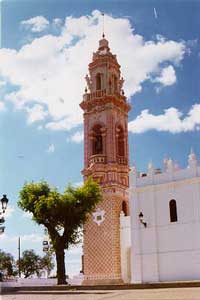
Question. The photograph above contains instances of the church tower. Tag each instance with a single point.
(105, 160)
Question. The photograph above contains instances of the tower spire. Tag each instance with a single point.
(103, 34)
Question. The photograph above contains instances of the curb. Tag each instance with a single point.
(62, 288)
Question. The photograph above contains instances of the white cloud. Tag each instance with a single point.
(2, 83)
(51, 148)
(36, 113)
(40, 127)
(77, 137)
(2, 106)
(9, 211)
(33, 237)
(167, 76)
(65, 123)
(57, 22)
(48, 69)
(9, 243)
(27, 214)
(28, 241)
(36, 24)
(172, 120)
(78, 184)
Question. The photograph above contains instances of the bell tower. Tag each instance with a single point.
(105, 160)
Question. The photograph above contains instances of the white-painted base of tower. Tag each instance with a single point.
(125, 247)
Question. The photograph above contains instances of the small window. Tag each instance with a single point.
(173, 211)
(98, 145)
(124, 208)
(98, 81)
(120, 141)
(97, 141)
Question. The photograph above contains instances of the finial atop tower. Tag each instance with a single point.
(150, 168)
(103, 45)
(103, 35)
(192, 159)
(170, 165)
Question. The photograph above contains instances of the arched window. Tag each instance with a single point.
(120, 141)
(97, 147)
(173, 211)
(98, 81)
(124, 208)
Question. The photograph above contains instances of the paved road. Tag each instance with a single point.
(150, 294)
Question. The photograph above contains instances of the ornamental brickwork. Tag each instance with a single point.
(106, 160)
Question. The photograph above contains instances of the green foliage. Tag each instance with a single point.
(7, 263)
(56, 211)
(46, 263)
(31, 263)
(62, 214)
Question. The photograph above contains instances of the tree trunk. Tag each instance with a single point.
(60, 260)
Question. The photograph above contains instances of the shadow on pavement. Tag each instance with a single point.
(53, 293)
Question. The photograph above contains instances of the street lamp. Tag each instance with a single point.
(141, 218)
(2, 220)
(4, 203)
(45, 242)
(45, 246)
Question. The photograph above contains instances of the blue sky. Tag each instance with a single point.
(45, 49)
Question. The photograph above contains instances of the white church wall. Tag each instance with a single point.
(125, 245)
(165, 250)
(179, 265)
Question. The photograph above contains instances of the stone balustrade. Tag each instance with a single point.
(122, 160)
(97, 159)
(100, 94)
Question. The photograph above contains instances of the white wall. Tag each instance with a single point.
(165, 251)
(125, 245)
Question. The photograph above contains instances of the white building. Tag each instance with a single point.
(165, 223)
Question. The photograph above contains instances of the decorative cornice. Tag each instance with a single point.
(105, 168)
(103, 102)
(161, 186)
(104, 59)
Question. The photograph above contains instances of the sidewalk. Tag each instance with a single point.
(129, 294)
(6, 288)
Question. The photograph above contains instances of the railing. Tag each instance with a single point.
(122, 160)
(100, 94)
(97, 159)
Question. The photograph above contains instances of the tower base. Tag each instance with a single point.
(99, 280)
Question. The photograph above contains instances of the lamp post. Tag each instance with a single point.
(4, 203)
(19, 257)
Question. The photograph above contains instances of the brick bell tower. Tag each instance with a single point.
(105, 160)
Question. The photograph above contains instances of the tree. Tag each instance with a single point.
(29, 263)
(7, 263)
(62, 214)
(46, 263)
